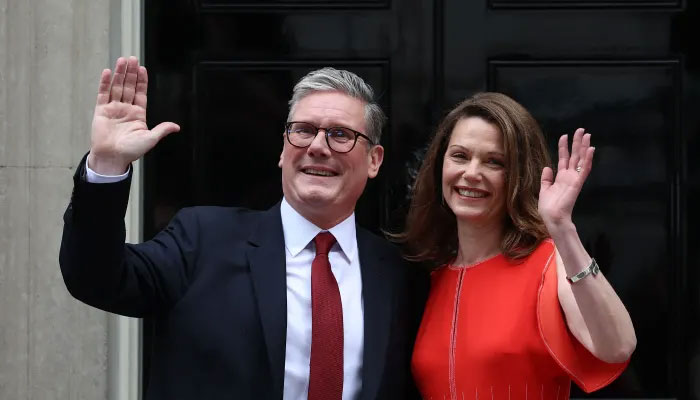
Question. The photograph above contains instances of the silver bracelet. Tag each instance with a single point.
(592, 269)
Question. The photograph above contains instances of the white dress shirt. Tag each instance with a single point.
(345, 265)
(93, 177)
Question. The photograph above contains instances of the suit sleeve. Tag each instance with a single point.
(99, 269)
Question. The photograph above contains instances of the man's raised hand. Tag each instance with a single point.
(119, 131)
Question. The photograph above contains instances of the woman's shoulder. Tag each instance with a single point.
(544, 251)
(538, 260)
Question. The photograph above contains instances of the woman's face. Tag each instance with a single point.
(473, 172)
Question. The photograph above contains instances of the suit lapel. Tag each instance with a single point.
(377, 295)
(268, 271)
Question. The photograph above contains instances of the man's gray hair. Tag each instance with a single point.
(331, 79)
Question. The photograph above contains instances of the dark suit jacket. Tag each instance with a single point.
(214, 283)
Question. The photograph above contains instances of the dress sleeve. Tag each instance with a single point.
(589, 372)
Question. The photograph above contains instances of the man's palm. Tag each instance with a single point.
(119, 131)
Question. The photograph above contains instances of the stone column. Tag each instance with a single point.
(51, 56)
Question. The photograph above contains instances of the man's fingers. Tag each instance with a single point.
(103, 88)
(118, 80)
(164, 129)
(130, 80)
(140, 97)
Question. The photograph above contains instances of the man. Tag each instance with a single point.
(295, 302)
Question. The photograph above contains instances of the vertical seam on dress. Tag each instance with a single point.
(453, 339)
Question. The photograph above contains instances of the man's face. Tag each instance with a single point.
(319, 183)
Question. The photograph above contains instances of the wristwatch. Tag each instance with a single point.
(592, 269)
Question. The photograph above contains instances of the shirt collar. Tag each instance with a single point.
(299, 231)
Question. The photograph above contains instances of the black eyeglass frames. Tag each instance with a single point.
(339, 139)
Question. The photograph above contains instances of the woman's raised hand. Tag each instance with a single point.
(558, 194)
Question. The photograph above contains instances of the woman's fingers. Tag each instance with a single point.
(563, 153)
(546, 179)
(576, 148)
(585, 144)
(586, 165)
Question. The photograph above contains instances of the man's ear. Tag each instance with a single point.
(279, 164)
(376, 156)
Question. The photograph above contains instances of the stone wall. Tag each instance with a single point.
(51, 56)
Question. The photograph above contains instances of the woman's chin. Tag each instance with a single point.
(482, 219)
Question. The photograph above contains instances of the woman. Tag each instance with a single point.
(503, 321)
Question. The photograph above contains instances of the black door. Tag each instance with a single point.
(627, 70)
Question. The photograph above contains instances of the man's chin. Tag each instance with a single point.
(319, 201)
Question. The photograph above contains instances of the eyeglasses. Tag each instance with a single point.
(338, 138)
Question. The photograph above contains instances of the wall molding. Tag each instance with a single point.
(123, 333)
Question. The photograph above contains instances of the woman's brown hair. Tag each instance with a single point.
(431, 228)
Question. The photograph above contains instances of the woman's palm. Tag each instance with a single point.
(558, 194)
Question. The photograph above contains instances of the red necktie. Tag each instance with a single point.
(326, 366)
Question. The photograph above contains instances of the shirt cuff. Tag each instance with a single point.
(93, 177)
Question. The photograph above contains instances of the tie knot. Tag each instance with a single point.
(324, 241)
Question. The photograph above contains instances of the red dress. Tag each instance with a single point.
(495, 330)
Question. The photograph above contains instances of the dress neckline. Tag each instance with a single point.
(474, 264)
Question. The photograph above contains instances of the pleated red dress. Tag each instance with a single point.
(495, 330)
